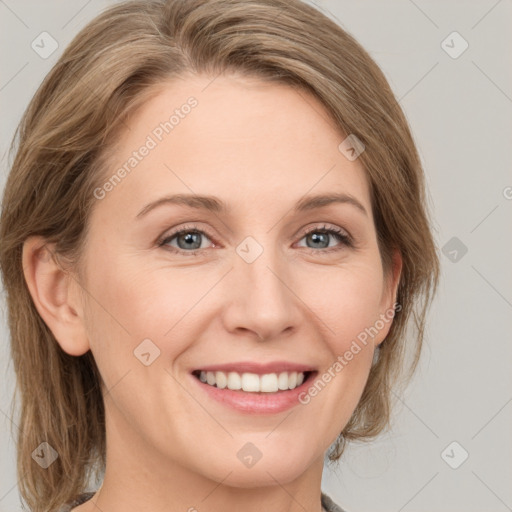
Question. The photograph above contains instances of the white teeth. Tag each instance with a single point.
(221, 380)
(234, 381)
(282, 382)
(250, 382)
(210, 378)
(253, 383)
(268, 382)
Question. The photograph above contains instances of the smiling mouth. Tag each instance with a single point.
(254, 383)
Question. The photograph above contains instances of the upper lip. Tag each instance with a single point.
(257, 368)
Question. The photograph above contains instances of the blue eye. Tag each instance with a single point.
(189, 237)
(189, 240)
(322, 235)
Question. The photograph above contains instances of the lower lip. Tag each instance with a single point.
(256, 403)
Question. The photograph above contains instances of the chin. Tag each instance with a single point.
(283, 466)
(264, 476)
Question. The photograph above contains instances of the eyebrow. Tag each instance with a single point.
(216, 205)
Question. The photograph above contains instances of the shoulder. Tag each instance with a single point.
(82, 498)
(329, 505)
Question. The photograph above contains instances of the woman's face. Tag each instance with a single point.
(259, 280)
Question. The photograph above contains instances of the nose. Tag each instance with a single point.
(259, 297)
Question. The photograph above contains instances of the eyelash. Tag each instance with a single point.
(340, 235)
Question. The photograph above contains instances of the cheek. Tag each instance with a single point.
(347, 300)
(348, 306)
(131, 303)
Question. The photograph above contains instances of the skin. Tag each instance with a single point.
(169, 446)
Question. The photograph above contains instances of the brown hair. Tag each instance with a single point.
(63, 140)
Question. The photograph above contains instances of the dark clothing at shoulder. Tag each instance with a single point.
(329, 505)
(78, 501)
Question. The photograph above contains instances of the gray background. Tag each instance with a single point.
(460, 113)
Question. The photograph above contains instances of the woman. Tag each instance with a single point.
(177, 331)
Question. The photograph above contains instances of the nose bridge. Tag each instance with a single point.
(263, 301)
(259, 265)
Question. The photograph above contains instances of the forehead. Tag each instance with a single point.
(236, 137)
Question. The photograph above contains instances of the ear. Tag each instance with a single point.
(389, 294)
(54, 292)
